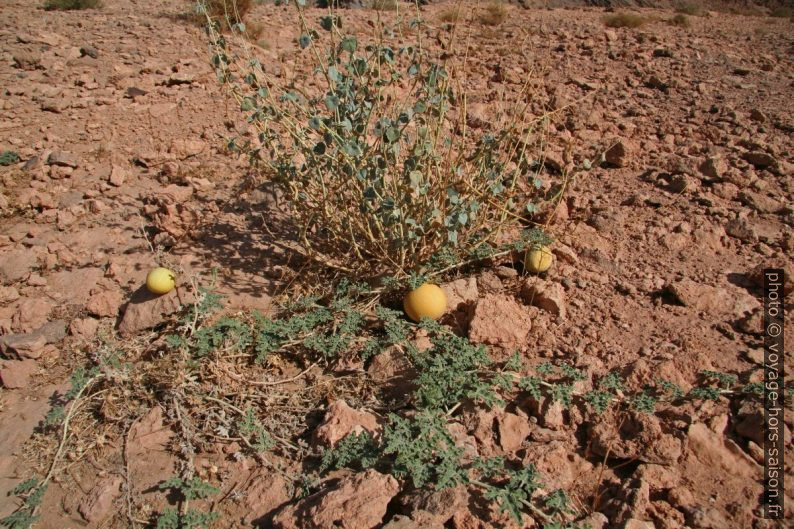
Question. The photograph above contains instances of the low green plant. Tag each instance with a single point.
(374, 155)
(185, 517)
(31, 491)
(68, 5)
(624, 20)
(9, 158)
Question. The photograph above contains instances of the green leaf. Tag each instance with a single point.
(304, 41)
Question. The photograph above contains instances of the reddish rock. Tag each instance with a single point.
(756, 275)
(641, 436)
(619, 154)
(460, 292)
(513, 430)
(711, 299)
(501, 321)
(31, 314)
(716, 452)
(84, 327)
(97, 505)
(32, 344)
(341, 420)
(547, 295)
(392, 372)
(267, 492)
(434, 507)
(16, 265)
(105, 304)
(148, 433)
(15, 374)
(356, 502)
(404, 522)
(146, 310)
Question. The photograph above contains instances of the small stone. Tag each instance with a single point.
(760, 159)
(146, 310)
(117, 176)
(742, 229)
(662, 52)
(133, 92)
(30, 345)
(267, 492)
(97, 505)
(180, 78)
(393, 373)
(547, 295)
(105, 304)
(341, 420)
(713, 168)
(356, 502)
(62, 159)
(460, 292)
(757, 115)
(618, 155)
(89, 51)
(84, 327)
(513, 430)
(501, 321)
(15, 374)
(434, 507)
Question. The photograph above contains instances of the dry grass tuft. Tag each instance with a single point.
(68, 5)
(680, 20)
(451, 15)
(493, 14)
(234, 11)
(624, 20)
(689, 8)
(383, 5)
(782, 12)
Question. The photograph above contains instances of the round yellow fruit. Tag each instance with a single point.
(426, 301)
(160, 281)
(539, 260)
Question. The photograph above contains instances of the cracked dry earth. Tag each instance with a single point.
(120, 126)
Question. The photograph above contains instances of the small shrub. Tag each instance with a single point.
(493, 15)
(383, 5)
(375, 159)
(680, 20)
(9, 158)
(232, 11)
(450, 15)
(689, 8)
(624, 20)
(68, 5)
(782, 12)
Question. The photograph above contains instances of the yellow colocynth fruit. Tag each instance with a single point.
(426, 301)
(160, 281)
(538, 260)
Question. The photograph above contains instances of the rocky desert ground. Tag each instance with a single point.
(120, 130)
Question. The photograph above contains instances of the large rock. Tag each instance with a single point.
(341, 420)
(501, 321)
(756, 275)
(356, 502)
(146, 310)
